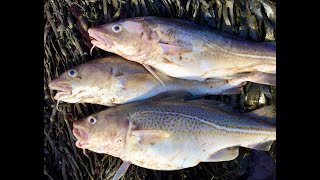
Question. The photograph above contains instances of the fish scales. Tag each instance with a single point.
(211, 117)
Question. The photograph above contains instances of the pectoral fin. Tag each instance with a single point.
(149, 137)
(122, 170)
(173, 49)
(153, 73)
(226, 154)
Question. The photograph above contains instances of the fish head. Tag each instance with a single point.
(102, 132)
(128, 38)
(79, 83)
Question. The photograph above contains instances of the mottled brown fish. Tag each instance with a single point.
(171, 132)
(113, 80)
(185, 50)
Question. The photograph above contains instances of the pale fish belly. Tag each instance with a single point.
(195, 66)
(177, 68)
(166, 155)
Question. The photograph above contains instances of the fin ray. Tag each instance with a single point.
(153, 73)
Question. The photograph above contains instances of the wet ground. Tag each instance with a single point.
(66, 44)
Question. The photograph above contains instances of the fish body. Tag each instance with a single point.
(183, 49)
(113, 80)
(170, 133)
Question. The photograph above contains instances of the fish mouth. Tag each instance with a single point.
(63, 89)
(99, 39)
(82, 137)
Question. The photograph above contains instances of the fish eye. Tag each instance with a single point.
(116, 28)
(92, 120)
(73, 73)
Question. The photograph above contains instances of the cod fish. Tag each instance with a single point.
(185, 50)
(113, 80)
(171, 132)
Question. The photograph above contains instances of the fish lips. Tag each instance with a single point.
(99, 39)
(82, 137)
(62, 88)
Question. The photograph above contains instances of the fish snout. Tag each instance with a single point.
(52, 84)
(61, 86)
(81, 133)
(59, 83)
(80, 124)
(99, 37)
(96, 29)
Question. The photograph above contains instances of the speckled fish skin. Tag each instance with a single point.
(172, 133)
(183, 49)
(113, 80)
